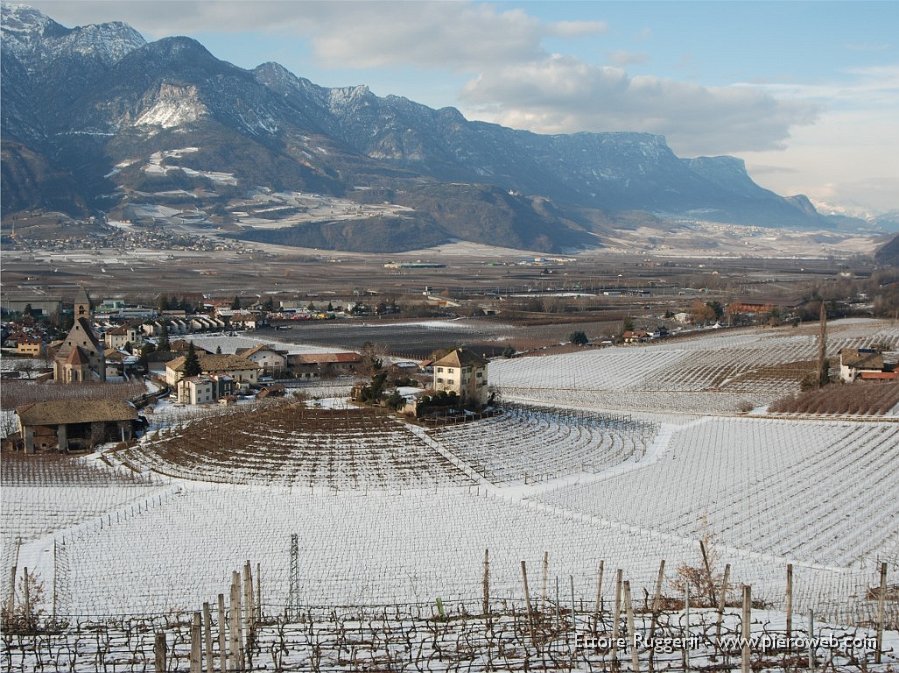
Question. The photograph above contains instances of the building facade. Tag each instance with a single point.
(464, 373)
(81, 356)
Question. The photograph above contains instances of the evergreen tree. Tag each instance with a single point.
(578, 338)
(235, 305)
(192, 362)
(163, 344)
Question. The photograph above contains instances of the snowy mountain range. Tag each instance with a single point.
(85, 109)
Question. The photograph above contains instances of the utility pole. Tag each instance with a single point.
(822, 347)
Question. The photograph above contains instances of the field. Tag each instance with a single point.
(871, 399)
(714, 374)
(621, 456)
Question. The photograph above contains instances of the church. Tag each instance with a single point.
(81, 358)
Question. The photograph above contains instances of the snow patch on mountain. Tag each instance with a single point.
(173, 106)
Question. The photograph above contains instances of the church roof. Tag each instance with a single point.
(77, 357)
(82, 297)
(85, 325)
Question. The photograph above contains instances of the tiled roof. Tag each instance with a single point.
(57, 412)
(461, 357)
(247, 352)
(861, 358)
(213, 363)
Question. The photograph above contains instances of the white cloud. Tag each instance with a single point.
(561, 94)
(442, 35)
(849, 156)
(622, 58)
(577, 28)
(432, 34)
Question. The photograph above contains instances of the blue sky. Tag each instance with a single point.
(807, 93)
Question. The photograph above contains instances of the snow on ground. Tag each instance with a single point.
(718, 373)
(420, 543)
(820, 494)
(230, 344)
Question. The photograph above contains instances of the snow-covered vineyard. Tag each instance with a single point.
(390, 513)
(709, 375)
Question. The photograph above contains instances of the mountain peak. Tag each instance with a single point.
(23, 19)
(179, 47)
(38, 41)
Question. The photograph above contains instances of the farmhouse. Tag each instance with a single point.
(238, 368)
(314, 365)
(74, 424)
(464, 373)
(271, 359)
(204, 389)
(81, 357)
(860, 363)
(633, 337)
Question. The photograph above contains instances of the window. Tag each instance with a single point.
(439, 380)
(480, 374)
(440, 370)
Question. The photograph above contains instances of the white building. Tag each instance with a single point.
(464, 373)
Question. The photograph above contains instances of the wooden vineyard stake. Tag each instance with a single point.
(746, 632)
(880, 605)
(558, 607)
(11, 601)
(573, 606)
(258, 594)
(685, 652)
(223, 647)
(527, 600)
(27, 592)
(657, 599)
(159, 647)
(710, 584)
(196, 645)
(722, 603)
(656, 608)
(234, 624)
(249, 613)
(486, 587)
(207, 637)
(543, 593)
(616, 620)
(789, 606)
(811, 640)
(631, 629)
(597, 610)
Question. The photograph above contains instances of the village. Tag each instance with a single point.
(162, 350)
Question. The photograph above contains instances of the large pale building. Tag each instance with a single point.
(81, 357)
(464, 373)
(241, 370)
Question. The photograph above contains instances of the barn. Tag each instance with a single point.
(67, 425)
